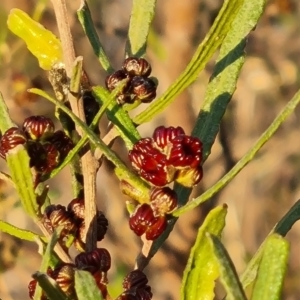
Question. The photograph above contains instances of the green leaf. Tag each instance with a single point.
(42, 43)
(85, 286)
(202, 269)
(228, 274)
(284, 114)
(226, 73)
(142, 14)
(282, 228)
(272, 268)
(223, 81)
(118, 117)
(5, 120)
(50, 286)
(19, 233)
(18, 163)
(206, 49)
(47, 257)
(85, 19)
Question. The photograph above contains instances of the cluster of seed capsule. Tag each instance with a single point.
(96, 262)
(46, 147)
(71, 218)
(169, 155)
(139, 86)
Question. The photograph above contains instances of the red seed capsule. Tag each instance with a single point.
(186, 151)
(137, 66)
(94, 261)
(11, 139)
(37, 127)
(61, 142)
(143, 221)
(163, 136)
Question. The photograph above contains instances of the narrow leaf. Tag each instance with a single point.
(85, 286)
(284, 114)
(46, 259)
(224, 78)
(282, 228)
(85, 19)
(42, 43)
(202, 270)
(206, 49)
(50, 286)
(142, 14)
(229, 276)
(272, 269)
(5, 120)
(19, 233)
(18, 163)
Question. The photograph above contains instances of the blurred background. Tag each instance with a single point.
(257, 198)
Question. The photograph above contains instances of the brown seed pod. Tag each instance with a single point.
(59, 216)
(135, 66)
(143, 88)
(135, 279)
(163, 200)
(114, 79)
(37, 127)
(65, 279)
(11, 139)
(77, 207)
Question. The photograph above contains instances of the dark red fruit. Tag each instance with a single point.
(11, 139)
(149, 162)
(102, 224)
(169, 155)
(37, 127)
(52, 158)
(38, 156)
(135, 279)
(163, 200)
(137, 66)
(61, 142)
(143, 88)
(90, 106)
(186, 151)
(143, 221)
(94, 261)
(162, 136)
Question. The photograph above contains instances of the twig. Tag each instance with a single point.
(89, 166)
